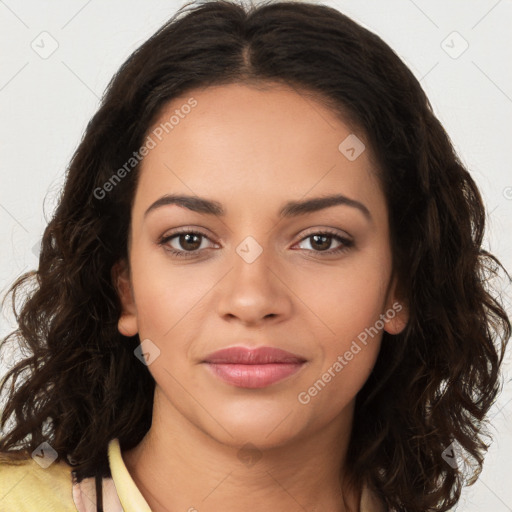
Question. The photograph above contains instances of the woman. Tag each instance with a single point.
(263, 286)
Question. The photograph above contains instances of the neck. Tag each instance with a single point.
(178, 466)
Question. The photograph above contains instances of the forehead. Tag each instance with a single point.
(266, 141)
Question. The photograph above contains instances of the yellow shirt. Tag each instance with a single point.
(30, 488)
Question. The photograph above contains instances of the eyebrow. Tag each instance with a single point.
(290, 209)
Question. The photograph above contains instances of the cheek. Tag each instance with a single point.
(346, 299)
(349, 344)
(166, 294)
(338, 381)
(349, 302)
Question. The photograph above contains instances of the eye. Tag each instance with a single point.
(321, 241)
(188, 243)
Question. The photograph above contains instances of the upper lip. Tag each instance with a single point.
(260, 355)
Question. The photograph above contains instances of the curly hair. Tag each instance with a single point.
(433, 383)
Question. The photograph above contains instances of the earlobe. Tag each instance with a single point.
(127, 324)
(396, 318)
(396, 315)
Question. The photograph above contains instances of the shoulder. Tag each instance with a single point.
(27, 486)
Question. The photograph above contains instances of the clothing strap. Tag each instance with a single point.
(99, 493)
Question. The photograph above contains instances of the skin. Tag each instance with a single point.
(253, 149)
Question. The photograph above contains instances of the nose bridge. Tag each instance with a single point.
(251, 263)
(251, 274)
(252, 290)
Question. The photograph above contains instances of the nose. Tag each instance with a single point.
(253, 293)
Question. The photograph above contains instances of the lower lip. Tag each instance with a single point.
(253, 376)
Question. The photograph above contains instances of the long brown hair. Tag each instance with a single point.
(433, 384)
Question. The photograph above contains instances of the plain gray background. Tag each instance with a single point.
(57, 57)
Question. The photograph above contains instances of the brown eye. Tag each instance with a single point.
(185, 244)
(189, 241)
(321, 242)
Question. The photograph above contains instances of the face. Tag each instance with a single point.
(250, 270)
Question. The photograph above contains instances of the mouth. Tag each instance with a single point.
(253, 368)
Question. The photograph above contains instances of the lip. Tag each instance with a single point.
(260, 355)
(253, 368)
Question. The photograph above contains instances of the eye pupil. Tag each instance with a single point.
(324, 237)
(185, 241)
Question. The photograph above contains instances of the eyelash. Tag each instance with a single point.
(346, 243)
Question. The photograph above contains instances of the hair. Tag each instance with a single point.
(432, 384)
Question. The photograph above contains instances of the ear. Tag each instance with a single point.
(127, 323)
(396, 314)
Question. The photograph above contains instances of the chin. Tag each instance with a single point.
(265, 426)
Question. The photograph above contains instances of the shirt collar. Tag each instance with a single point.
(129, 494)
